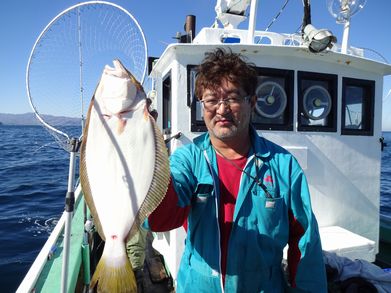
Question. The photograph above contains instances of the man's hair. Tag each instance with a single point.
(224, 64)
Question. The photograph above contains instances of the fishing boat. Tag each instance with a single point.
(320, 100)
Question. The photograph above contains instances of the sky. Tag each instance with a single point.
(21, 22)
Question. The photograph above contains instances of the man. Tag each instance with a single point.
(135, 249)
(243, 197)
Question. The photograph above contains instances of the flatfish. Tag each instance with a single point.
(124, 171)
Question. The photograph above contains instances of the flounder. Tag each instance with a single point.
(124, 171)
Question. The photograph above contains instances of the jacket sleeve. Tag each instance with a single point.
(305, 260)
(174, 209)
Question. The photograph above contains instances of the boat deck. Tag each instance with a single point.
(155, 276)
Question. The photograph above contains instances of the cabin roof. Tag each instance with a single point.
(194, 51)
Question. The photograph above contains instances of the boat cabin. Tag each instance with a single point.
(325, 108)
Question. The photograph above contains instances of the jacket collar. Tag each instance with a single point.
(260, 147)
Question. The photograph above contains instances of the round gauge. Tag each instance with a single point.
(271, 99)
(316, 102)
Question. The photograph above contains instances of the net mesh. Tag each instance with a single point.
(68, 59)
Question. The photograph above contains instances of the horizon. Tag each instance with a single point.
(37, 123)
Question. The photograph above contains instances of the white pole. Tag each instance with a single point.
(69, 208)
(252, 21)
(345, 37)
(345, 8)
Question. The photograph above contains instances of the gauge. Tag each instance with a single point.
(271, 99)
(316, 102)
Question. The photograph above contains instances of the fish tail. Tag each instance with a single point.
(114, 273)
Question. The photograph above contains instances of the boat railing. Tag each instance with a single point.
(224, 36)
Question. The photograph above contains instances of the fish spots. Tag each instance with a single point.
(121, 125)
(106, 116)
(146, 114)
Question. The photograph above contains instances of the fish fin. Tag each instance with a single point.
(114, 272)
(85, 183)
(131, 76)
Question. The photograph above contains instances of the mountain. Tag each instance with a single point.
(31, 119)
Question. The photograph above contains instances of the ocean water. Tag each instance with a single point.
(33, 184)
(385, 187)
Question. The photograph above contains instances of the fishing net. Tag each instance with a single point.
(68, 58)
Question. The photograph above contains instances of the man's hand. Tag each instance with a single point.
(152, 112)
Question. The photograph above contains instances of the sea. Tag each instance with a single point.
(33, 183)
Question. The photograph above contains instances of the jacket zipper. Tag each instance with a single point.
(217, 215)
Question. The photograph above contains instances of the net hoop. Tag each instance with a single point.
(46, 29)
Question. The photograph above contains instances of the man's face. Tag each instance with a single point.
(227, 120)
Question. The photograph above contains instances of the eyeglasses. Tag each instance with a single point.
(213, 104)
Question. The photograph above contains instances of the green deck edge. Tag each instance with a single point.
(50, 277)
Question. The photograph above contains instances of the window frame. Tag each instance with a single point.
(167, 103)
(288, 76)
(368, 87)
(192, 101)
(332, 85)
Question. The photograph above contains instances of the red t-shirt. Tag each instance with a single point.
(229, 186)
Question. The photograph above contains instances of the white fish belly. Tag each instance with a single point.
(119, 167)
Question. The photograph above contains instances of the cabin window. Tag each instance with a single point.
(358, 97)
(197, 119)
(167, 92)
(274, 107)
(317, 102)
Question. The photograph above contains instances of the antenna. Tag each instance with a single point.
(342, 11)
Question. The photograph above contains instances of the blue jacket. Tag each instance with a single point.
(262, 226)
